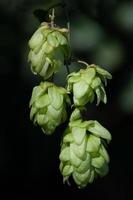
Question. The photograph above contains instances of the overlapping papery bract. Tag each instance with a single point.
(86, 83)
(83, 155)
(48, 106)
(49, 47)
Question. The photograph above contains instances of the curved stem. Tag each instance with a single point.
(83, 62)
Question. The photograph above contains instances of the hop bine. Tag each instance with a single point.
(87, 82)
(49, 48)
(83, 154)
(48, 106)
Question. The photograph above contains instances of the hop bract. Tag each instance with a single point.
(48, 106)
(83, 155)
(87, 82)
(48, 49)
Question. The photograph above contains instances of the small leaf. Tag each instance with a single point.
(67, 170)
(85, 165)
(103, 170)
(65, 154)
(68, 138)
(42, 101)
(93, 144)
(52, 40)
(104, 153)
(103, 72)
(80, 89)
(79, 150)
(83, 178)
(98, 93)
(96, 82)
(75, 161)
(75, 115)
(97, 129)
(98, 162)
(88, 74)
(103, 95)
(37, 91)
(78, 134)
(55, 97)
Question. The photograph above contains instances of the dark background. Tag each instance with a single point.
(101, 33)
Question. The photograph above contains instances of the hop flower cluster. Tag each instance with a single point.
(83, 154)
(48, 106)
(49, 48)
(87, 82)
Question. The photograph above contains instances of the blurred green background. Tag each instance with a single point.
(101, 33)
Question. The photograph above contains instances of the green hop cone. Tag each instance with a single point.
(49, 48)
(83, 155)
(48, 106)
(86, 83)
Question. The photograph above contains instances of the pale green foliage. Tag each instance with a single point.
(48, 49)
(83, 155)
(86, 83)
(48, 106)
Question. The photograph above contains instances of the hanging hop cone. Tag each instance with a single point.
(87, 82)
(48, 106)
(49, 48)
(83, 155)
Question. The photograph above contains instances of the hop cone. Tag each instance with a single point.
(48, 106)
(48, 49)
(83, 155)
(87, 82)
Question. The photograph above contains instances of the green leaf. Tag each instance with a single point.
(75, 115)
(103, 170)
(37, 91)
(103, 152)
(51, 39)
(54, 114)
(55, 97)
(60, 37)
(65, 154)
(68, 138)
(98, 162)
(103, 95)
(103, 72)
(92, 176)
(82, 178)
(75, 161)
(93, 144)
(96, 82)
(79, 150)
(88, 74)
(98, 93)
(80, 89)
(47, 48)
(85, 165)
(36, 40)
(32, 112)
(42, 101)
(78, 134)
(98, 130)
(67, 170)
(41, 119)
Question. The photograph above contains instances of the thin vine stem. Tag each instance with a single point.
(83, 62)
(69, 34)
(52, 17)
